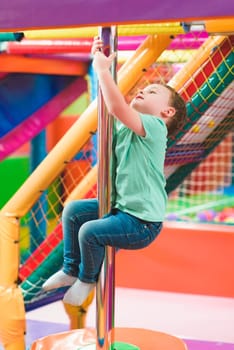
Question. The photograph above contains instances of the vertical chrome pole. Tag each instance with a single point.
(105, 286)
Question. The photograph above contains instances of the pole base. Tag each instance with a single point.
(123, 346)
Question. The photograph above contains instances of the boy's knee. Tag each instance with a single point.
(86, 232)
(68, 209)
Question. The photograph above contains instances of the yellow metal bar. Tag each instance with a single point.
(168, 56)
(84, 186)
(9, 250)
(89, 32)
(52, 165)
(220, 26)
(12, 319)
(179, 79)
(147, 54)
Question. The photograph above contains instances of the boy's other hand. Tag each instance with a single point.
(100, 61)
(97, 45)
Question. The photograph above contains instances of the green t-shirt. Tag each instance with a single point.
(139, 184)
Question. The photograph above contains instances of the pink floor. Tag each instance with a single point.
(205, 323)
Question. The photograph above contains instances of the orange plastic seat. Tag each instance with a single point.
(142, 338)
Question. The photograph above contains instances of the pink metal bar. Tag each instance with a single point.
(40, 119)
(192, 40)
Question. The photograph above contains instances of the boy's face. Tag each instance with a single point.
(154, 99)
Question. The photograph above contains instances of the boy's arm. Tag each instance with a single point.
(114, 100)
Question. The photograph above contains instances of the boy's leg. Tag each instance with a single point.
(74, 215)
(120, 230)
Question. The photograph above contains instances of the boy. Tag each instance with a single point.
(139, 204)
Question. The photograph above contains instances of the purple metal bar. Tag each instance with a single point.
(43, 14)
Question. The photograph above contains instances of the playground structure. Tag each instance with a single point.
(198, 82)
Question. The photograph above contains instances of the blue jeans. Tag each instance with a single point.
(86, 236)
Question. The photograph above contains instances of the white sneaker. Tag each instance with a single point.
(58, 280)
(78, 293)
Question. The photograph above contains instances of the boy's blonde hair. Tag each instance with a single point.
(178, 120)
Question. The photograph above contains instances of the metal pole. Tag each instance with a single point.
(105, 286)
